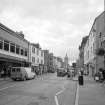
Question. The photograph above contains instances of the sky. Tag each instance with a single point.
(57, 25)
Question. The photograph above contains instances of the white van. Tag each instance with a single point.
(22, 73)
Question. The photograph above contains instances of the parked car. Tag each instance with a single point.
(61, 72)
(22, 73)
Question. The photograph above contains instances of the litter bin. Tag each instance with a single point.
(81, 80)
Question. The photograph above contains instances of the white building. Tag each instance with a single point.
(36, 57)
(89, 53)
(92, 61)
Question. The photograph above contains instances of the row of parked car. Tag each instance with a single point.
(22, 73)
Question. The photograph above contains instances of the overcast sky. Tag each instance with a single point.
(58, 25)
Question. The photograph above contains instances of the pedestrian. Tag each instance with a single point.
(5, 73)
(80, 78)
(103, 73)
(2, 73)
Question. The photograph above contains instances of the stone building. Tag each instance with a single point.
(92, 61)
(81, 52)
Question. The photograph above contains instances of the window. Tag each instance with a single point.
(33, 49)
(12, 47)
(1, 44)
(88, 54)
(33, 59)
(17, 49)
(26, 52)
(13, 70)
(41, 61)
(101, 44)
(22, 52)
(37, 51)
(18, 69)
(38, 60)
(42, 53)
(6, 45)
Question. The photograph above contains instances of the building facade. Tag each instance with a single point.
(92, 61)
(46, 60)
(81, 53)
(51, 63)
(36, 58)
(14, 49)
(66, 60)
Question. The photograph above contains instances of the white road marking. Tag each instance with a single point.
(77, 95)
(56, 99)
(7, 87)
(60, 91)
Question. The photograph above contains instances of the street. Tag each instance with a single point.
(44, 90)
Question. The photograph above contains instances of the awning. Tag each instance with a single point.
(8, 58)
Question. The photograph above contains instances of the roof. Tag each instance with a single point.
(11, 32)
(95, 21)
(37, 45)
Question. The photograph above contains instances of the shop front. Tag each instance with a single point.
(7, 62)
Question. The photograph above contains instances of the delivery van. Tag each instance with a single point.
(22, 73)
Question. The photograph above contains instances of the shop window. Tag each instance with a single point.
(1, 44)
(17, 49)
(12, 47)
(6, 45)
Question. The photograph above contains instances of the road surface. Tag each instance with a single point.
(46, 90)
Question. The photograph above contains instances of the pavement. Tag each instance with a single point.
(91, 93)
